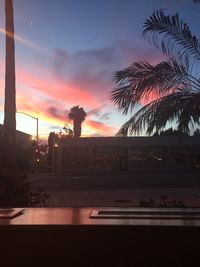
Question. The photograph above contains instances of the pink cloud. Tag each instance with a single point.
(101, 128)
(56, 90)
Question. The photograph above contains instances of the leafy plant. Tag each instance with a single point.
(15, 191)
(39, 198)
(163, 203)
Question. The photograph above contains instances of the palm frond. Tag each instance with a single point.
(123, 97)
(78, 113)
(141, 79)
(171, 35)
(155, 115)
(164, 77)
(190, 113)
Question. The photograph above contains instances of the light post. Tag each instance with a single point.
(54, 157)
(37, 136)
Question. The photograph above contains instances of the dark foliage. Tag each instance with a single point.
(169, 132)
(163, 203)
(196, 132)
(68, 131)
(15, 191)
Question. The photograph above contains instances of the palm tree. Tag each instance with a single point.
(175, 88)
(9, 137)
(77, 114)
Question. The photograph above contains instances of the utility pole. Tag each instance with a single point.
(9, 131)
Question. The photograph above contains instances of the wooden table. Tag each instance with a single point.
(69, 237)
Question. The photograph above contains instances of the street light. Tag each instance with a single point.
(37, 137)
(54, 157)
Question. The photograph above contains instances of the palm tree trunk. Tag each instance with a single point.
(77, 128)
(9, 136)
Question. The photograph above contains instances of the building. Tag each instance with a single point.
(23, 145)
(125, 153)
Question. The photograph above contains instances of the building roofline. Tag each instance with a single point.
(1, 126)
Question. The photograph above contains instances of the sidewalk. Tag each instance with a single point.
(119, 198)
(118, 190)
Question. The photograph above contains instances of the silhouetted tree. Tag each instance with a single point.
(77, 114)
(173, 82)
(9, 136)
(169, 132)
(68, 131)
(196, 132)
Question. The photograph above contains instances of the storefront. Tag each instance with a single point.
(125, 153)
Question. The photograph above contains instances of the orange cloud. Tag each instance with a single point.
(56, 118)
(101, 128)
(36, 108)
(57, 90)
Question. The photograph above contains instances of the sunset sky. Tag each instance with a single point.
(67, 50)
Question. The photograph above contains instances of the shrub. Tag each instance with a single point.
(15, 191)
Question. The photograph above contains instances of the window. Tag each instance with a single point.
(75, 90)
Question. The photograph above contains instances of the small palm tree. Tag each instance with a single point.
(175, 88)
(77, 114)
